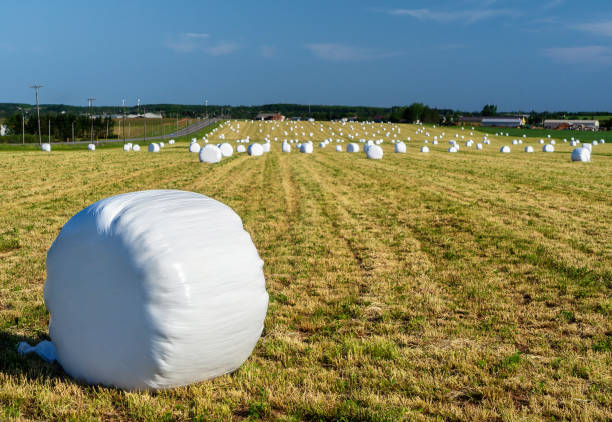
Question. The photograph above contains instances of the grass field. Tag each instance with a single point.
(134, 128)
(556, 134)
(467, 286)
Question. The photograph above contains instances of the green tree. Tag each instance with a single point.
(489, 110)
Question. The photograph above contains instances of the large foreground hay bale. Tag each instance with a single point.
(144, 291)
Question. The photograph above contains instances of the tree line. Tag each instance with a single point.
(62, 126)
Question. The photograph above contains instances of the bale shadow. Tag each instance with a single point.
(30, 366)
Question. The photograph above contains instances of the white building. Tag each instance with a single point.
(3, 130)
(503, 121)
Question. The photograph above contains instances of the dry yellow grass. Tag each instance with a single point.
(471, 286)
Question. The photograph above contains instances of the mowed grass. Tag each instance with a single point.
(469, 286)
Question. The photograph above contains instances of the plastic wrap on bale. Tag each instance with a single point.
(144, 291)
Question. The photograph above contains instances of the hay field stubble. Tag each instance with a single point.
(471, 286)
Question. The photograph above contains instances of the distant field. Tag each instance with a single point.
(467, 286)
(134, 128)
(542, 133)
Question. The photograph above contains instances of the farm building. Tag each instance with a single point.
(270, 116)
(3, 130)
(572, 124)
(503, 121)
(470, 120)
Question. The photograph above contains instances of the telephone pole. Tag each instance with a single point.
(36, 86)
(90, 101)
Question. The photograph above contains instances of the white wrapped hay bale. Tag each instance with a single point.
(194, 147)
(588, 146)
(161, 145)
(255, 150)
(171, 142)
(266, 147)
(226, 149)
(424, 148)
(453, 149)
(154, 147)
(306, 148)
(136, 148)
(505, 149)
(581, 154)
(548, 148)
(479, 146)
(374, 152)
(144, 291)
(46, 147)
(210, 154)
(352, 147)
(240, 148)
(127, 147)
(91, 147)
(286, 147)
(339, 148)
(528, 148)
(400, 148)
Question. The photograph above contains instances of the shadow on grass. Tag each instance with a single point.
(30, 366)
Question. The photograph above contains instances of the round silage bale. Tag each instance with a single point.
(548, 148)
(226, 149)
(400, 148)
(91, 147)
(210, 154)
(136, 147)
(306, 148)
(505, 149)
(144, 292)
(194, 147)
(352, 147)
(127, 147)
(581, 154)
(528, 148)
(255, 150)
(339, 148)
(240, 148)
(153, 147)
(46, 147)
(374, 152)
(424, 148)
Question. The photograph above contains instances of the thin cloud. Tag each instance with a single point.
(552, 4)
(346, 53)
(185, 42)
(597, 28)
(466, 16)
(222, 48)
(592, 54)
(197, 35)
(267, 51)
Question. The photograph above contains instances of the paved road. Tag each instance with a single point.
(181, 132)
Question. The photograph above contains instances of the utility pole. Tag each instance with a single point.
(145, 124)
(73, 131)
(206, 102)
(176, 134)
(22, 125)
(49, 119)
(138, 102)
(90, 101)
(36, 86)
(123, 103)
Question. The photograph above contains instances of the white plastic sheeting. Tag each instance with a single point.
(210, 154)
(194, 147)
(91, 147)
(144, 291)
(255, 150)
(374, 152)
(352, 147)
(226, 149)
(45, 349)
(306, 148)
(581, 154)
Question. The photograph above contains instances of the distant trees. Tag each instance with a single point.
(421, 112)
(61, 125)
(489, 110)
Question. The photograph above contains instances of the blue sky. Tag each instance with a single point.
(522, 54)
